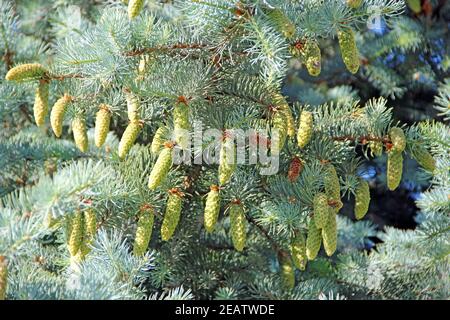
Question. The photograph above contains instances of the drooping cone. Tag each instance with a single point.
(362, 199)
(282, 104)
(321, 209)
(311, 56)
(398, 139)
(3, 277)
(305, 129)
(129, 137)
(281, 22)
(133, 106)
(298, 251)
(76, 233)
(90, 219)
(172, 215)
(349, 50)
(394, 170)
(295, 168)
(80, 133)
(181, 124)
(287, 271)
(24, 72)
(144, 230)
(102, 122)
(161, 167)
(331, 181)
(280, 125)
(329, 234)
(238, 226)
(376, 148)
(212, 208)
(354, 3)
(40, 108)
(134, 8)
(159, 139)
(424, 158)
(415, 6)
(313, 240)
(57, 114)
(227, 164)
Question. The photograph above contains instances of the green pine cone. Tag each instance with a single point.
(398, 139)
(76, 233)
(90, 219)
(227, 164)
(331, 181)
(362, 199)
(57, 114)
(282, 104)
(298, 252)
(376, 148)
(102, 122)
(280, 124)
(305, 129)
(313, 240)
(25, 72)
(160, 169)
(424, 158)
(281, 22)
(129, 138)
(40, 108)
(349, 50)
(80, 133)
(321, 209)
(172, 216)
(133, 106)
(287, 272)
(329, 234)
(312, 57)
(415, 6)
(212, 208)
(238, 226)
(143, 231)
(3, 277)
(134, 8)
(181, 124)
(158, 140)
(394, 169)
(354, 3)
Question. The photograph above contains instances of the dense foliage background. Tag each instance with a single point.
(234, 64)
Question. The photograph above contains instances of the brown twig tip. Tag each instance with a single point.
(146, 207)
(214, 187)
(176, 192)
(236, 202)
(2, 259)
(184, 100)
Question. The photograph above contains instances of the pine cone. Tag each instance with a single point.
(398, 139)
(321, 209)
(40, 108)
(129, 138)
(394, 170)
(287, 272)
(329, 234)
(298, 252)
(172, 215)
(238, 225)
(362, 199)
(134, 8)
(143, 231)
(349, 50)
(424, 158)
(57, 114)
(77, 233)
(313, 240)
(305, 129)
(80, 133)
(102, 122)
(227, 164)
(27, 71)
(160, 169)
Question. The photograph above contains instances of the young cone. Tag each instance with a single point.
(280, 123)
(295, 168)
(238, 224)
(212, 208)
(24, 72)
(311, 57)
(349, 50)
(394, 169)
(376, 148)
(305, 129)
(102, 122)
(57, 114)
(40, 108)
(143, 231)
(282, 104)
(129, 137)
(354, 3)
(362, 199)
(161, 168)
(424, 158)
(90, 219)
(321, 209)
(76, 233)
(331, 181)
(313, 240)
(181, 124)
(3, 277)
(133, 106)
(80, 133)
(172, 215)
(281, 22)
(415, 6)
(398, 139)
(287, 272)
(227, 164)
(158, 140)
(329, 234)
(134, 8)
(298, 251)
